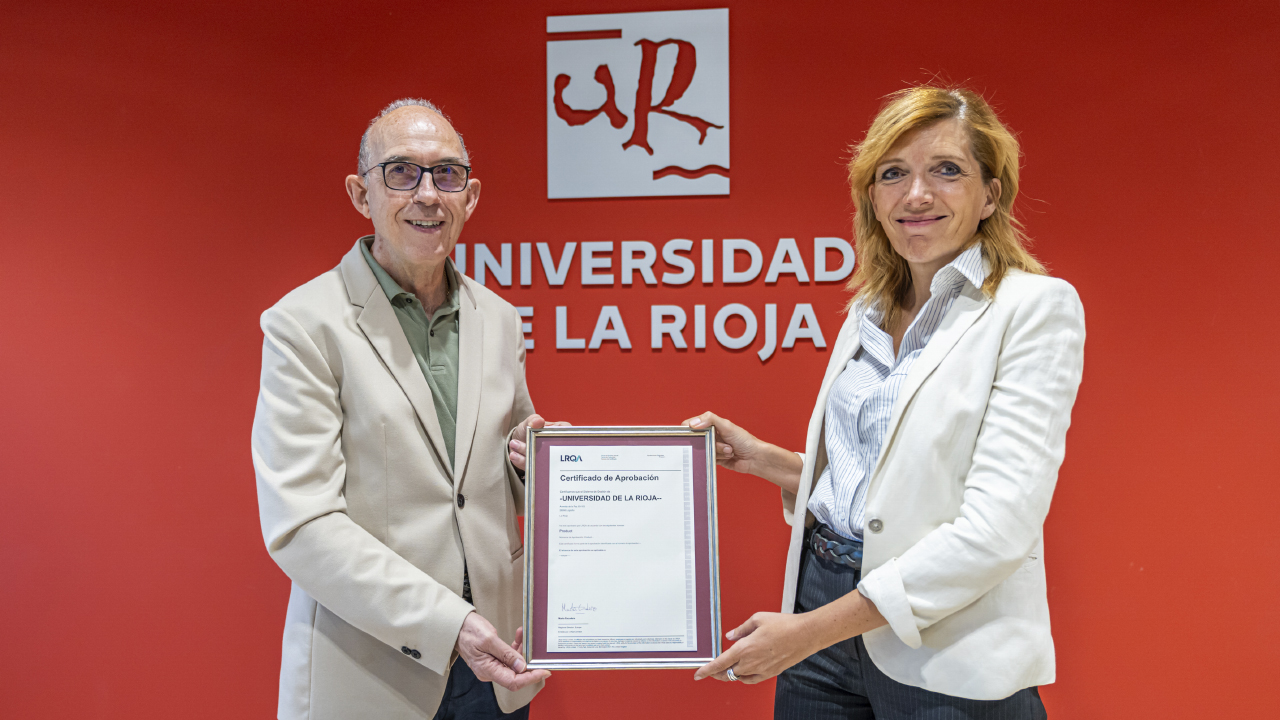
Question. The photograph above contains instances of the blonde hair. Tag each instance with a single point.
(882, 277)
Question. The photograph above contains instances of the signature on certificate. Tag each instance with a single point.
(577, 607)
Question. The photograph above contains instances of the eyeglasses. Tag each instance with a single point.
(400, 175)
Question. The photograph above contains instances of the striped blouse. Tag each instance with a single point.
(862, 397)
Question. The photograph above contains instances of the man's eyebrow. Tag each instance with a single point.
(442, 161)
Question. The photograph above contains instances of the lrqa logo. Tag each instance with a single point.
(570, 458)
(673, 139)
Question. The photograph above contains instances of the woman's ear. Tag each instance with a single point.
(993, 198)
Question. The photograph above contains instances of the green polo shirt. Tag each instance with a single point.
(434, 341)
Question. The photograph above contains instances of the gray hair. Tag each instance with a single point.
(364, 160)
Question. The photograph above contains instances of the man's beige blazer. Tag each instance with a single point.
(953, 553)
(360, 507)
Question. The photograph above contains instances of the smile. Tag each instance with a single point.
(916, 222)
(426, 223)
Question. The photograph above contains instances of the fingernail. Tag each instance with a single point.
(729, 634)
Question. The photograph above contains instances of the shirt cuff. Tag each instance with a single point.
(883, 587)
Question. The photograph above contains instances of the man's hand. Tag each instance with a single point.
(767, 644)
(518, 451)
(491, 659)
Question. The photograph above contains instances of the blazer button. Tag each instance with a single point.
(417, 655)
(875, 525)
(406, 651)
(462, 500)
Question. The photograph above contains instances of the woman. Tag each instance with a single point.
(915, 583)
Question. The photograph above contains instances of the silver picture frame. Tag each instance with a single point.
(538, 659)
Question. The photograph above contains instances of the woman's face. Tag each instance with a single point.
(929, 195)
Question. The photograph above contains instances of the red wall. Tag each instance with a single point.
(144, 230)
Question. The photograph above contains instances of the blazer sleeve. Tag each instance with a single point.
(521, 408)
(301, 473)
(1011, 480)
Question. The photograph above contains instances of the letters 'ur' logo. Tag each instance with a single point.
(673, 139)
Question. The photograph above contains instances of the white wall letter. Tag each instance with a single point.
(786, 259)
(460, 258)
(671, 258)
(556, 275)
(730, 250)
(708, 262)
(563, 341)
(658, 325)
(770, 331)
(526, 264)
(486, 261)
(747, 336)
(645, 264)
(526, 328)
(590, 262)
(699, 326)
(609, 317)
(812, 331)
(820, 247)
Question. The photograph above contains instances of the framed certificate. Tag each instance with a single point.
(621, 563)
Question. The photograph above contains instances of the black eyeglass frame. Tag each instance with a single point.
(424, 170)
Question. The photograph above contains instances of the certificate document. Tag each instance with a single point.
(620, 549)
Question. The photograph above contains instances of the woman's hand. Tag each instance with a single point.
(740, 451)
(767, 644)
(734, 446)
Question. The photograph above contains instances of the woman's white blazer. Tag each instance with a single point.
(954, 555)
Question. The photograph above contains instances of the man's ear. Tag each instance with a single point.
(359, 193)
(473, 196)
(993, 198)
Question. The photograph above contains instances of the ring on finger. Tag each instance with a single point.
(729, 673)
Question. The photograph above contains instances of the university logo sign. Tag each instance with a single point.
(638, 104)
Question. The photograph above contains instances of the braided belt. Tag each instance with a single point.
(835, 548)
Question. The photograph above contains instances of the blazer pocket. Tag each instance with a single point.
(519, 553)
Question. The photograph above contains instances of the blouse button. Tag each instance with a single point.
(875, 525)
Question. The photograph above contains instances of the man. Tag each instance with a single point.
(391, 387)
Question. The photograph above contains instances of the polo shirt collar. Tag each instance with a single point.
(394, 291)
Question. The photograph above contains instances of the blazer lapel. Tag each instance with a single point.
(379, 323)
(470, 375)
(847, 343)
(968, 307)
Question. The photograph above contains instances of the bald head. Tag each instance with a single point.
(400, 114)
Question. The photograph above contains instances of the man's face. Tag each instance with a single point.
(413, 228)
